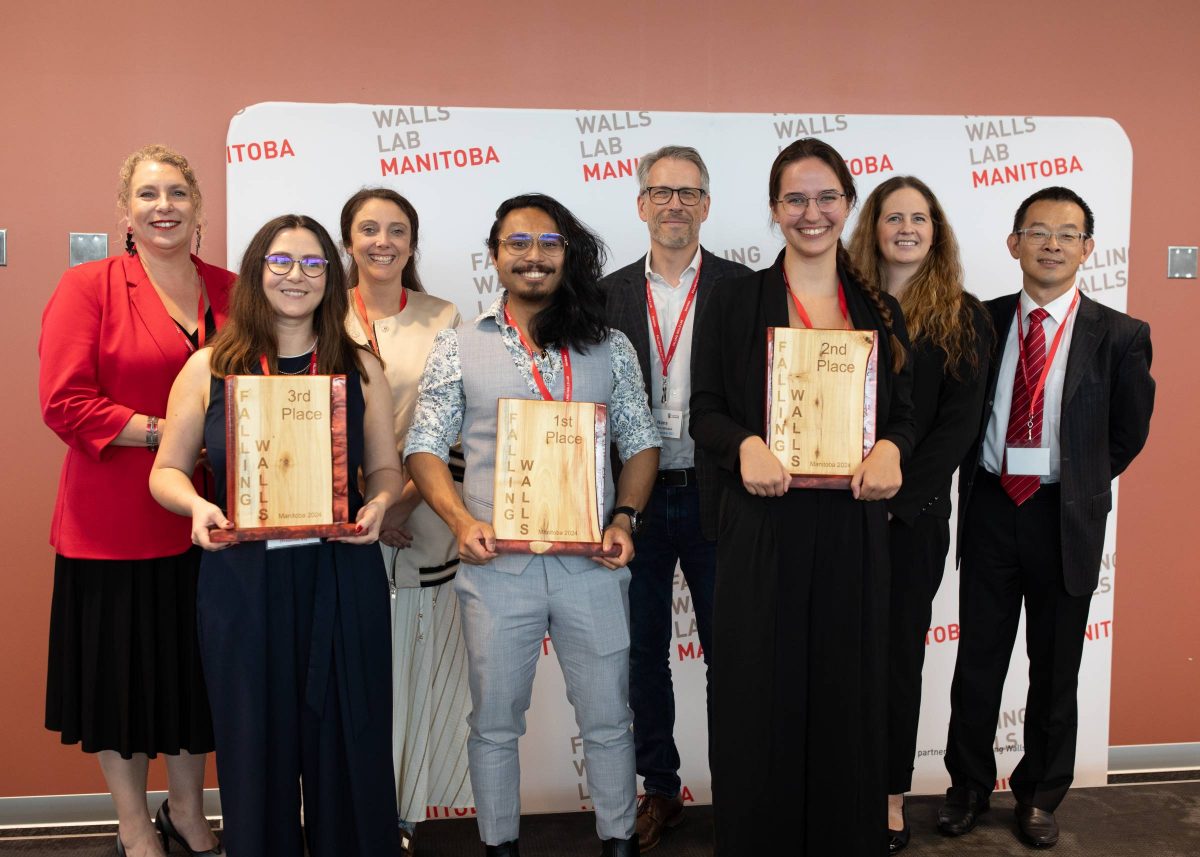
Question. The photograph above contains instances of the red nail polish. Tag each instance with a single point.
(358, 528)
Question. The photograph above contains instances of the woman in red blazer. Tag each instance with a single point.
(124, 670)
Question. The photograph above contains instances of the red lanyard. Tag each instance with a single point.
(805, 320)
(368, 328)
(1035, 395)
(200, 331)
(312, 364)
(537, 373)
(667, 356)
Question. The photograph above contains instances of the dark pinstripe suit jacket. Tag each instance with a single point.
(625, 294)
(1108, 396)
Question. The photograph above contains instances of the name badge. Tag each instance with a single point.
(277, 544)
(1028, 461)
(670, 423)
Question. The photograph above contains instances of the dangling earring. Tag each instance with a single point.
(130, 248)
(197, 240)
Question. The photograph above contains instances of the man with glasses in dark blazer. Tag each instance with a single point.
(656, 302)
(1067, 408)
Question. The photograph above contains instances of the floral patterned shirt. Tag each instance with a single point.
(441, 402)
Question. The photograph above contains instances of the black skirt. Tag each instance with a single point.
(124, 669)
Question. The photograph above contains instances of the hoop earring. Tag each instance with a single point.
(130, 247)
(197, 240)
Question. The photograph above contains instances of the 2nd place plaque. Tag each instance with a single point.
(820, 410)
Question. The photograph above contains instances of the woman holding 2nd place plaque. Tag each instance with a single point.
(904, 245)
(124, 665)
(391, 313)
(294, 635)
(799, 638)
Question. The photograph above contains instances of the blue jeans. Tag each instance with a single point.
(671, 534)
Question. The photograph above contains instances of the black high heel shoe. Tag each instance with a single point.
(898, 839)
(166, 829)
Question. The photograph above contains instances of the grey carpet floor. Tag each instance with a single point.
(1136, 820)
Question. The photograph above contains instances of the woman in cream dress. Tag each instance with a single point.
(390, 312)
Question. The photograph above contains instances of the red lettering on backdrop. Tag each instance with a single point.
(1026, 171)
(428, 162)
(264, 150)
(870, 164)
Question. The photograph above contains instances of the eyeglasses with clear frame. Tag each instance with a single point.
(797, 203)
(661, 194)
(1041, 237)
(520, 243)
(281, 264)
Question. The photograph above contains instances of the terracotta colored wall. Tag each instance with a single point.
(83, 87)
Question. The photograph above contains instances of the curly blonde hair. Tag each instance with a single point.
(158, 153)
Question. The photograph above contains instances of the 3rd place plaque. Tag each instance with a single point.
(286, 467)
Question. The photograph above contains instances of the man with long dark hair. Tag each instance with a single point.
(657, 302)
(544, 338)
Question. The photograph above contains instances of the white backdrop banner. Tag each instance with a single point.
(457, 164)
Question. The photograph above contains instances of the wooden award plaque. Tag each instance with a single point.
(549, 479)
(821, 387)
(286, 470)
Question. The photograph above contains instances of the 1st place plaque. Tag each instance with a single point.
(286, 467)
(549, 479)
(821, 387)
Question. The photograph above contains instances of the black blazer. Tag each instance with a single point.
(729, 384)
(625, 295)
(1108, 396)
(947, 412)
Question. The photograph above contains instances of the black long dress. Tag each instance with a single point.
(800, 615)
(296, 647)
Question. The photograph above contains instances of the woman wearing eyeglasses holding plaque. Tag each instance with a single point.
(904, 245)
(798, 677)
(294, 634)
(124, 677)
(392, 315)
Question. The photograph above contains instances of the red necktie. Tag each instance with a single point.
(1020, 432)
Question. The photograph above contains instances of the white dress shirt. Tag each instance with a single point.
(997, 427)
(677, 453)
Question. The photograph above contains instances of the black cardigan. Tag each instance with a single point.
(729, 380)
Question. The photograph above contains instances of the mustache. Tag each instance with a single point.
(537, 267)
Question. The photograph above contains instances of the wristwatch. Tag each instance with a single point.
(634, 516)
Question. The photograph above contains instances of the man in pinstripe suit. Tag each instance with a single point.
(655, 301)
(1068, 408)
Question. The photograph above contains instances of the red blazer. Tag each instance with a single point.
(109, 350)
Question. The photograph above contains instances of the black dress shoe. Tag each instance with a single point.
(620, 847)
(1037, 826)
(898, 839)
(504, 849)
(961, 811)
(166, 829)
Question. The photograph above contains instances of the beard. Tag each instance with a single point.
(672, 238)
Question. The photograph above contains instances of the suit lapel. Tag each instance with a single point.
(634, 314)
(149, 308)
(1085, 339)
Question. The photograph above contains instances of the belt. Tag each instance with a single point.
(677, 478)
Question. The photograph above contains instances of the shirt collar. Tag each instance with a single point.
(1057, 308)
(495, 311)
(655, 278)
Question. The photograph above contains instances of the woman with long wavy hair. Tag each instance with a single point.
(294, 635)
(903, 244)
(800, 613)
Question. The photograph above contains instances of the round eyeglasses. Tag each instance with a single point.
(282, 264)
(520, 243)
